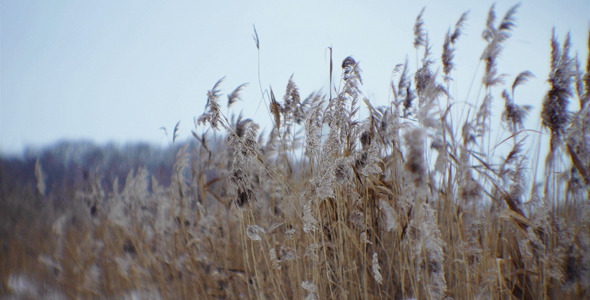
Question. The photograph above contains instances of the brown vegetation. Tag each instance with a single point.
(407, 203)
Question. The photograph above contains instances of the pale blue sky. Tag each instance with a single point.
(119, 70)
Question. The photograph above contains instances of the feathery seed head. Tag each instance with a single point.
(309, 222)
(449, 45)
(352, 72)
(235, 94)
(376, 268)
(213, 114)
(419, 33)
(555, 114)
(415, 165)
(255, 232)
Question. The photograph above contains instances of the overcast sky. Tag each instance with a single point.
(119, 70)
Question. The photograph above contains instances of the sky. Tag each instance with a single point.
(118, 71)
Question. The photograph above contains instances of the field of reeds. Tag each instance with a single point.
(416, 200)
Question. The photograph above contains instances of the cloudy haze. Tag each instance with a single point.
(119, 70)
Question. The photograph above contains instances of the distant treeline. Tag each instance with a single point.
(69, 165)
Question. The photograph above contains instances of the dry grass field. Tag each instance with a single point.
(414, 201)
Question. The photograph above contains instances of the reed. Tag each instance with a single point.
(411, 202)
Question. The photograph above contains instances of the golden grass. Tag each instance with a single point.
(401, 205)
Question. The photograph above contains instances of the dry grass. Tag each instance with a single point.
(407, 203)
